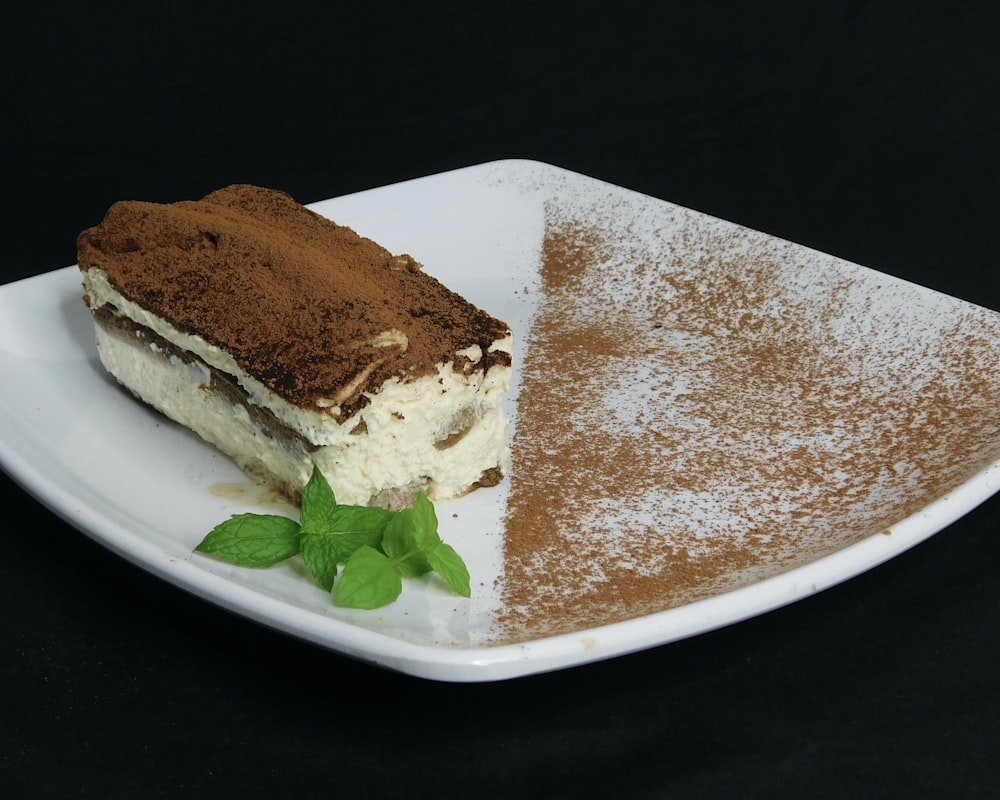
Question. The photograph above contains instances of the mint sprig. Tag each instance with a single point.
(410, 547)
(253, 540)
(377, 548)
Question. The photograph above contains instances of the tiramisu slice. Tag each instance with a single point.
(286, 340)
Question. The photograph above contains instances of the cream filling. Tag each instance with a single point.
(442, 434)
(453, 393)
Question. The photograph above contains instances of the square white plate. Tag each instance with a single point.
(149, 490)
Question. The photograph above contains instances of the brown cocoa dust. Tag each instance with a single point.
(705, 410)
(311, 309)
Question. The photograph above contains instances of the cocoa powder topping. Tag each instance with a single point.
(308, 307)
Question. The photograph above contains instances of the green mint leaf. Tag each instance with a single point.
(321, 556)
(425, 524)
(318, 502)
(397, 537)
(449, 565)
(400, 544)
(253, 540)
(353, 526)
(370, 580)
(345, 530)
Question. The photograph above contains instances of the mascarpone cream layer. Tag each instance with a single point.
(439, 433)
(320, 427)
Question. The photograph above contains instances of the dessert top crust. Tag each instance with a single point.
(309, 308)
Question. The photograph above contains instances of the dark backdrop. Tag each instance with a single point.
(866, 130)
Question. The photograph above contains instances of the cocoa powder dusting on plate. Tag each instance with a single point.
(703, 407)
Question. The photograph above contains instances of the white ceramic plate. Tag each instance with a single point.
(149, 491)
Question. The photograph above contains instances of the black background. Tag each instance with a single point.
(866, 130)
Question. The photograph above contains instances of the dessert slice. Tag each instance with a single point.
(287, 340)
